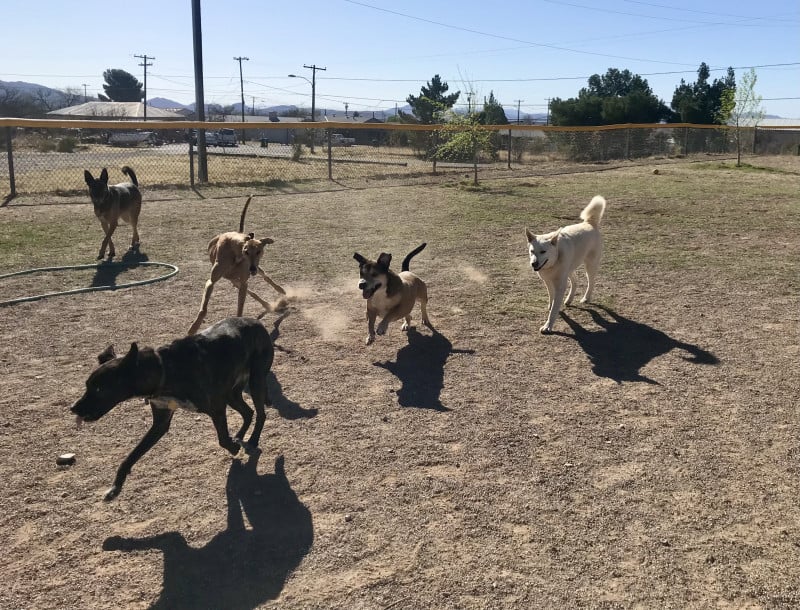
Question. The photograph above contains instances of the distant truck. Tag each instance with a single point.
(223, 137)
(226, 137)
(338, 139)
(134, 138)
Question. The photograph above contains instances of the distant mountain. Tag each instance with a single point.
(52, 96)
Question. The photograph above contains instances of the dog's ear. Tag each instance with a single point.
(104, 175)
(251, 236)
(87, 176)
(528, 234)
(107, 354)
(554, 239)
(384, 259)
(133, 354)
(266, 240)
(361, 260)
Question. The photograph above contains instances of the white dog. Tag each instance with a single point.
(555, 257)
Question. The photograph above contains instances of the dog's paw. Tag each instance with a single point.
(382, 328)
(112, 493)
(546, 329)
(405, 326)
(585, 300)
(370, 338)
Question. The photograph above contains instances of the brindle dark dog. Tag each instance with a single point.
(202, 373)
(121, 201)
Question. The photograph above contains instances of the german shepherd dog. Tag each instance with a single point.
(235, 256)
(121, 201)
(203, 373)
(389, 294)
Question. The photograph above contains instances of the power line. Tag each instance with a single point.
(509, 38)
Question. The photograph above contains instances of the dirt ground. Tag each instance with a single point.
(645, 455)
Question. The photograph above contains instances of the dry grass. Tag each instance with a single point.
(646, 455)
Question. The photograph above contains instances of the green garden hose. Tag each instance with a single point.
(105, 265)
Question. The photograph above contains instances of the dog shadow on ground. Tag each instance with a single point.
(240, 568)
(108, 271)
(288, 409)
(621, 347)
(420, 368)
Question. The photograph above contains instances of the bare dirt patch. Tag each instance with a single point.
(646, 455)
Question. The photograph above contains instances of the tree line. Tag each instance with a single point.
(614, 98)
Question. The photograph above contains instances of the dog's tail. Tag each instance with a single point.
(411, 255)
(593, 212)
(128, 171)
(244, 212)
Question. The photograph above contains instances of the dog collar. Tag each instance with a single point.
(163, 379)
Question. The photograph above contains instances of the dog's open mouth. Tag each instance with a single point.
(537, 266)
(367, 292)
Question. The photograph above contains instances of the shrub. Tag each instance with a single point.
(66, 144)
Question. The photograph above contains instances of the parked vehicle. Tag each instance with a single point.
(338, 139)
(227, 137)
(134, 138)
(223, 137)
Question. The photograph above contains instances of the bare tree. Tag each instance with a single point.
(741, 108)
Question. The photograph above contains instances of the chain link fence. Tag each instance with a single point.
(49, 157)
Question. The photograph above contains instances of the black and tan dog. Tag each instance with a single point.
(203, 373)
(235, 256)
(390, 295)
(121, 201)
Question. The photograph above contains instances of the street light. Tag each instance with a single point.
(241, 85)
(313, 83)
(313, 95)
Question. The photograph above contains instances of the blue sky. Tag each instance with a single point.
(378, 52)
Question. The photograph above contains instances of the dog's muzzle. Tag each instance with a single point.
(367, 291)
(536, 266)
(253, 270)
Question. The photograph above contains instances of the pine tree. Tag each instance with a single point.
(430, 106)
(122, 86)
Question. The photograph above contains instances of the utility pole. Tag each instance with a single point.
(241, 85)
(313, 68)
(518, 103)
(253, 107)
(85, 97)
(199, 99)
(144, 63)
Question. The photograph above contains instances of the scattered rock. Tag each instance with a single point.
(65, 459)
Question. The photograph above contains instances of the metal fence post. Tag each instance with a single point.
(11, 179)
(627, 143)
(435, 136)
(330, 155)
(191, 163)
(509, 149)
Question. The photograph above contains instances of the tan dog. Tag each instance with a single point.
(111, 204)
(235, 256)
(389, 294)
